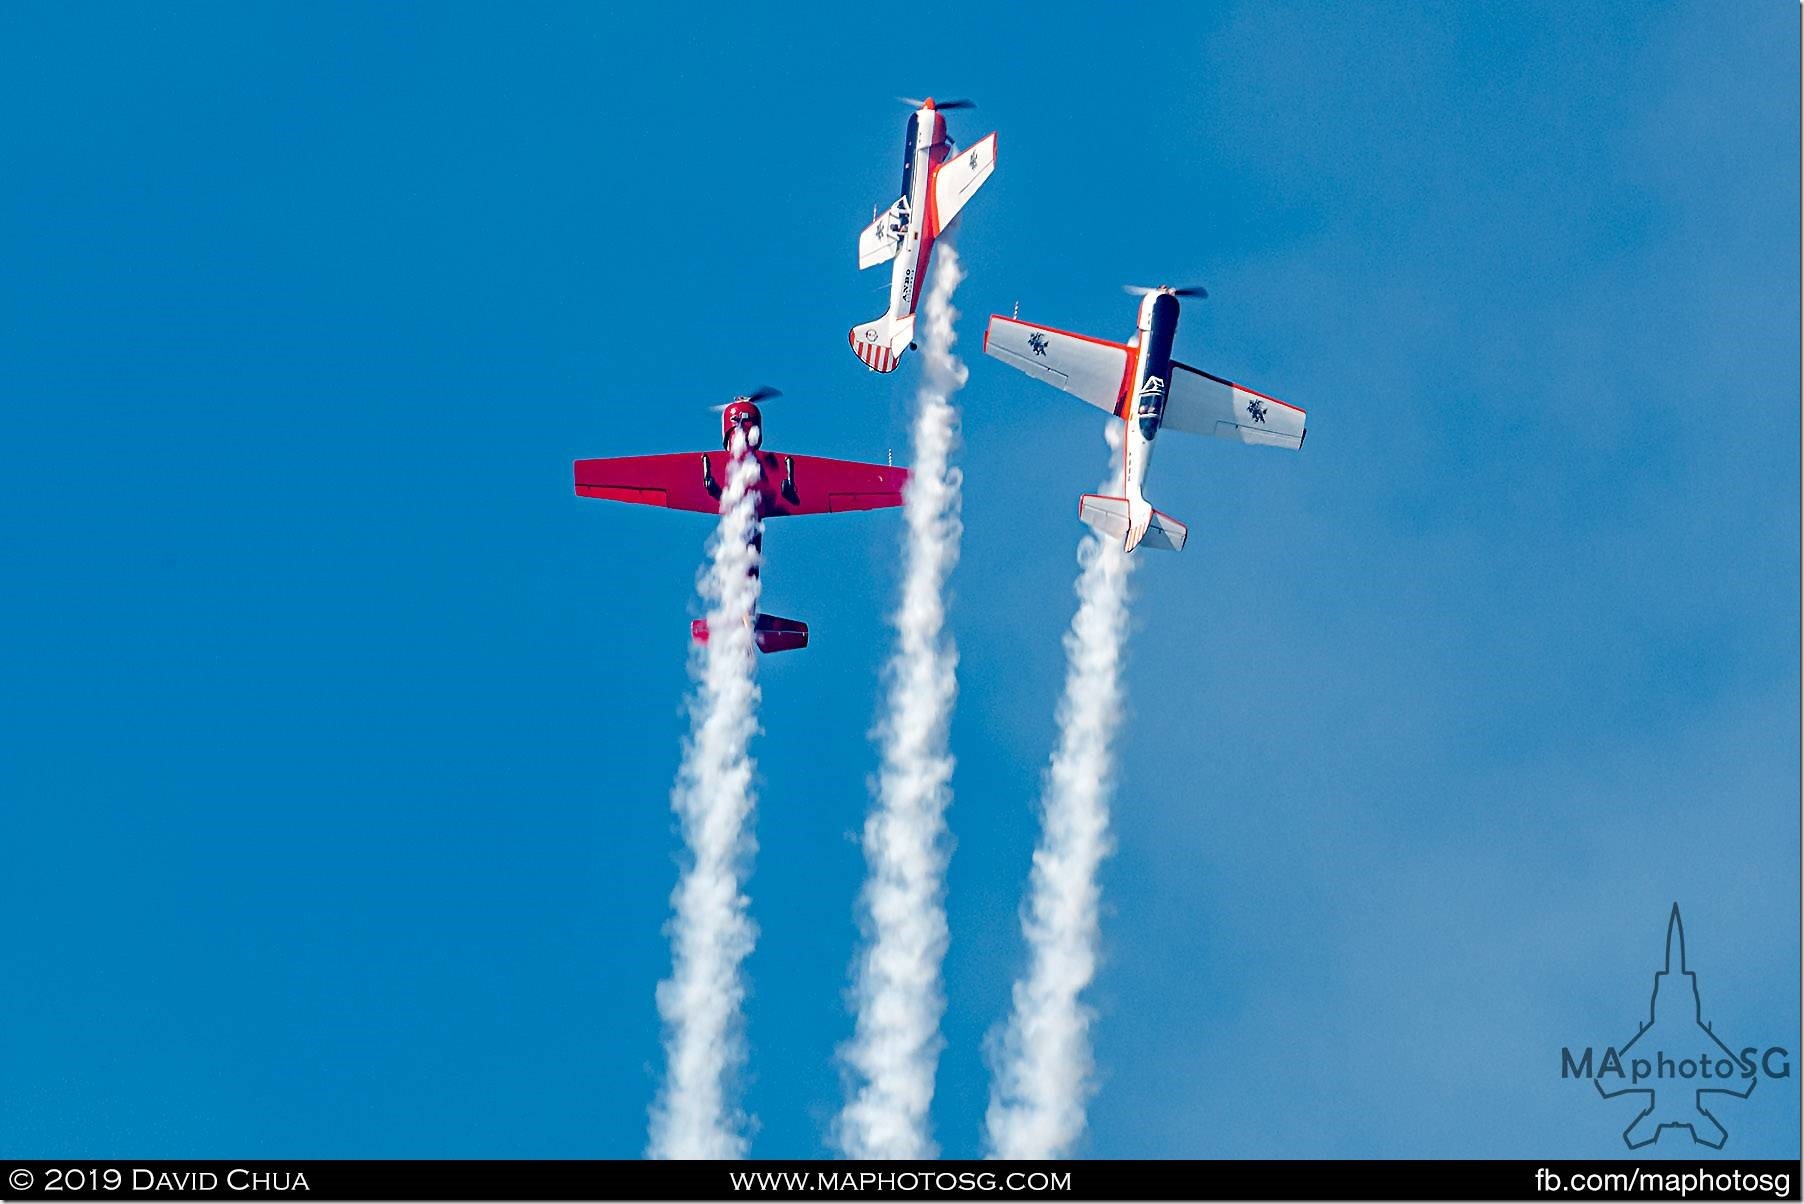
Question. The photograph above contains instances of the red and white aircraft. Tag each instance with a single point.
(936, 183)
(1139, 383)
(788, 485)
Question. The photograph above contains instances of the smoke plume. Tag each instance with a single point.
(1041, 1062)
(696, 1114)
(895, 1047)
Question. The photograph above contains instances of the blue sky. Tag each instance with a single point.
(339, 734)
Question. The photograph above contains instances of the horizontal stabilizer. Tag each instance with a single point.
(1109, 515)
(770, 633)
(881, 341)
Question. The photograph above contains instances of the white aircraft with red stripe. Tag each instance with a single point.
(1139, 382)
(937, 180)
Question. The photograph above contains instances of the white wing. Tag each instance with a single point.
(1093, 369)
(881, 239)
(960, 176)
(1208, 405)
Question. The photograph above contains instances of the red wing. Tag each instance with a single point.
(813, 485)
(789, 484)
(684, 481)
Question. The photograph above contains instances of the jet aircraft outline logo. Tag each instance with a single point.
(1037, 343)
(1676, 1059)
(1256, 408)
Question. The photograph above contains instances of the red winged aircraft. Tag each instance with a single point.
(936, 183)
(789, 484)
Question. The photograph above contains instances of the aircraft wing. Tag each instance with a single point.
(1093, 369)
(815, 485)
(876, 244)
(681, 481)
(959, 177)
(1208, 405)
(787, 484)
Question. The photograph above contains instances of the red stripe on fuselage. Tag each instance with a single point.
(1130, 378)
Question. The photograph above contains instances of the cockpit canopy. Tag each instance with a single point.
(908, 155)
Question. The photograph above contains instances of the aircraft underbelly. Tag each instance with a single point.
(911, 262)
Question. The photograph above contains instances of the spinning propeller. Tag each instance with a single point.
(761, 393)
(1188, 290)
(941, 105)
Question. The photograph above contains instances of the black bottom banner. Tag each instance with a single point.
(1177, 1180)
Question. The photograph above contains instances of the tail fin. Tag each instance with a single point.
(770, 633)
(881, 341)
(1110, 515)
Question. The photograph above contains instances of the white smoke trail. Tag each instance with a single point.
(710, 932)
(1042, 1064)
(896, 1044)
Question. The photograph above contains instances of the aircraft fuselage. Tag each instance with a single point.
(1144, 406)
(923, 148)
